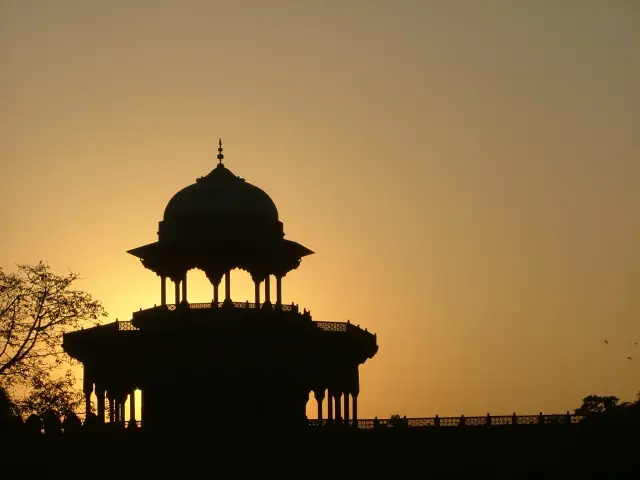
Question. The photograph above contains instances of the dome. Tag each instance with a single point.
(220, 205)
(221, 193)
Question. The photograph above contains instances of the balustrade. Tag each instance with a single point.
(488, 421)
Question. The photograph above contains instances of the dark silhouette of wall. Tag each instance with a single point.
(548, 451)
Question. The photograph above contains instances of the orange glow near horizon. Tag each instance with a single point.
(468, 177)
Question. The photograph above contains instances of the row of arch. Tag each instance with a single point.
(127, 408)
(181, 290)
(341, 406)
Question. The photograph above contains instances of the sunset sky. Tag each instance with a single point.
(467, 172)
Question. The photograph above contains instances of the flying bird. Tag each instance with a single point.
(629, 358)
(607, 342)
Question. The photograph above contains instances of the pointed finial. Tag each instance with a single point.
(220, 155)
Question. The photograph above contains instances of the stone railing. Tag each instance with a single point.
(223, 306)
(345, 327)
(462, 421)
(241, 305)
(126, 326)
(334, 327)
(436, 422)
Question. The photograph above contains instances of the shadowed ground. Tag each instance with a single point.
(535, 452)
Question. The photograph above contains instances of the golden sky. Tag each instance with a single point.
(467, 173)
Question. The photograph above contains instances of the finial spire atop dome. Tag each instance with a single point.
(220, 155)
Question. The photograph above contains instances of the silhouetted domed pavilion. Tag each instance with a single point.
(222, 364)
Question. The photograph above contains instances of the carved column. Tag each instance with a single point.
(142, 407)
(278, 290)
(257, 291)
(354, 414)
(215, 278)
(87, 404)
(337, 398)
(346, 408)
(319, 396)
(184, 288)
(100, 401)
(163, 290)
(227, 287)
(121, 405)
(112, 407)
(132, 406)
(87, 385)
(177, 292)
(330, 407)
(267, 291)
(117, 411)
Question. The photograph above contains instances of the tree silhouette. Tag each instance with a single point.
(596, 404)
(9, 411)
(51, 396)
(36, 308)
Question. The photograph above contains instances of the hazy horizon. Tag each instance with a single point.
(466, 172)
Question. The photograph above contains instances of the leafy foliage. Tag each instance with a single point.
(9, 410)
(36, 308)
(49, 395)
(395, 420)
(595, 404)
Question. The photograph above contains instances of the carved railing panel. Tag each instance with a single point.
(475, 421)
(332, 326)
(501, 420)
(421, 422)
(241, 305)
(126, 326)
(432, 422)
(527, 419)
(452, 422)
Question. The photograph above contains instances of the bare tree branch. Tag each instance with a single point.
(36, 308)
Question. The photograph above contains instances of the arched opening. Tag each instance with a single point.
(242, 286)
(312, 407)
(137, 406)
(199, 286)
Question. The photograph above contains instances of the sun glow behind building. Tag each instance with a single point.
(467, 175)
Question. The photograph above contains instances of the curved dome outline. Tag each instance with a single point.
(218, 195)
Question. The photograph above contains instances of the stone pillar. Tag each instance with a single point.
(227, 287)
(100, 401)
(346, 408)
(278, 290)
(177, 294)
(354, 413)
(215, 294)
(354, 387)
(267, 290)
(142, 409)
(337, 398)
(184, 288)
(87, 404)
(163, 290)
(319, 396)
(121, 405)
(87, 387)
(330, 407)
(132, 406)
(112, 408)
(257, 290)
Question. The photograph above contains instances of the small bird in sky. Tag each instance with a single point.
(629, 358)
(636, 343)
(607, 342)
